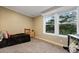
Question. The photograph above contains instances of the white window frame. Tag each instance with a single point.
(55, 12)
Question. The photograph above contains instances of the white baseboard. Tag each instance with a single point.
(49, 41)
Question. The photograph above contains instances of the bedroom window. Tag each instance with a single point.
(50, 24)
(68, 23)
(62, 23)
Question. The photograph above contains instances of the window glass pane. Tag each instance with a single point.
(50, 24)
(50, 20)
(65, 29)
(50, 28)
(67, 23)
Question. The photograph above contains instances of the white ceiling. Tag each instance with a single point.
(31, 11)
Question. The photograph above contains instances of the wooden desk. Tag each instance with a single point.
(30, 32)
(27, 31)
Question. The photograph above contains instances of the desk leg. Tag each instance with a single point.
(68, 41)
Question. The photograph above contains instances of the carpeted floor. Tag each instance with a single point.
(35, 46)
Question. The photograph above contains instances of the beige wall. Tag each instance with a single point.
(38, 27)
(13, 22)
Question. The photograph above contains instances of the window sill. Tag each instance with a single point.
(52, 34)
